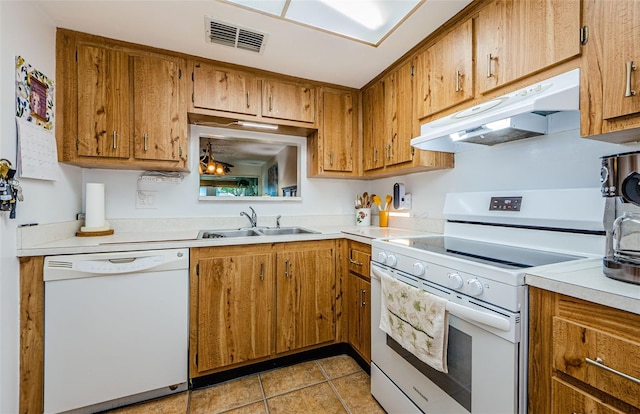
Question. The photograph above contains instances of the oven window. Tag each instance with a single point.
(457, 383)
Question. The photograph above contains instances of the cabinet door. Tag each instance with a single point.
(595, 356)
(235, 296)
(224, 90)
(359, 314)
(305, 297)
(399, 114)
(569, 399)
(516, 38)
(160, 123)
(621, 57)
(444, 72)
(373, 127)
(337, 131)
(104, 128)
(289, 101)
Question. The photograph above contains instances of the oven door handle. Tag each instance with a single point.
(464, 312)
(488, 319)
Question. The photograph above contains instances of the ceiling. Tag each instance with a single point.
(290, 48)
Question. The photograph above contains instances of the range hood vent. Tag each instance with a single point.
(521, 114)
(234, 36)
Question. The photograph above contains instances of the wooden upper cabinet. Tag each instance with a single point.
(516, 38)
(306, 283)
(120, 105)
(444, 72)
(373, 127)
(104, 128)
(621, 57)
(338, 130)
(399, 116)
(225, 90)
(160, 126)
(289, 101)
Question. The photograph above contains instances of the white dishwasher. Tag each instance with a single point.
(115, 328)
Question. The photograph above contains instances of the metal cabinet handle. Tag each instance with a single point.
(146, 141)
(286, 268)
(363, 295)
(331, 158)
(248, 99)
(388, 151)
(375, 155)
(270, 103)
(600, 364)
(261, 271)
(630, 68)
(458, 89)
(115, 140)
(489, 59)
(355, 263)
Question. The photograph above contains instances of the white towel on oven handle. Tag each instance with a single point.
(415, 319)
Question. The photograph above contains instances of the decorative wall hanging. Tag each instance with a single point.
(34, 95)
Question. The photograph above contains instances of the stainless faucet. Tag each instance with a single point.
(253, 219)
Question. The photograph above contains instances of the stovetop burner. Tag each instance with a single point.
(498, 255)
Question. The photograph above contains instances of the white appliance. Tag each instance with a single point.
(115, 328)
(491, 240)
(524, 113)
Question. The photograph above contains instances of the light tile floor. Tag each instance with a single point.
(330, 385)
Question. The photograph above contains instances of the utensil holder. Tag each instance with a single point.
(363, 217)
(384, 218)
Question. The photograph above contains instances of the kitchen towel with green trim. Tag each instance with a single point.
(417, 320)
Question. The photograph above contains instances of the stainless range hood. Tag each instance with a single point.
(521, 114)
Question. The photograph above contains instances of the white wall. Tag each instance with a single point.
(319, 195)
(24, 31)
(563, 160)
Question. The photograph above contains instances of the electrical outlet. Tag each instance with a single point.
(146, 199)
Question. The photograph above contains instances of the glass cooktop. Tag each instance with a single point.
(499, 255)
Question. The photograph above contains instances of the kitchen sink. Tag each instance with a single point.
(286, 230)
(251, 232)
(217, 234)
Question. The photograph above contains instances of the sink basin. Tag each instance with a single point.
(286, 230)
(217, 234)
(251, 232)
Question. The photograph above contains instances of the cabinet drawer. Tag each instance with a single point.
(598, 358)
(360, 259)
(569, 399)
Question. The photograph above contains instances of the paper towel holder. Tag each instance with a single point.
(95, 224)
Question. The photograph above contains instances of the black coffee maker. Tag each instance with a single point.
(620, 178)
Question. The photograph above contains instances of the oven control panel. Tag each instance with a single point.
(505, 203)
(457, 278)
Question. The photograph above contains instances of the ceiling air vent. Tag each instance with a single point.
(234, 36)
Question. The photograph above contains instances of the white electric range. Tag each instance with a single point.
(491, 240)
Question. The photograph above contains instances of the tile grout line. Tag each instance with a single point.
(264, 396)
(333, 388)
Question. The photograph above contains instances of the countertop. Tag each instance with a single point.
(584, 279)
(151, 240)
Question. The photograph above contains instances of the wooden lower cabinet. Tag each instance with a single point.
(235, 299)
(251, 303)
(579, 355)
(306, 284)
(358, 299)
(359, 314)
(568, 399)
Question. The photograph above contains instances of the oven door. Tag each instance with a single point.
(485, 372)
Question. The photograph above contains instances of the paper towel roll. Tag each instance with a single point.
(94, 206)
